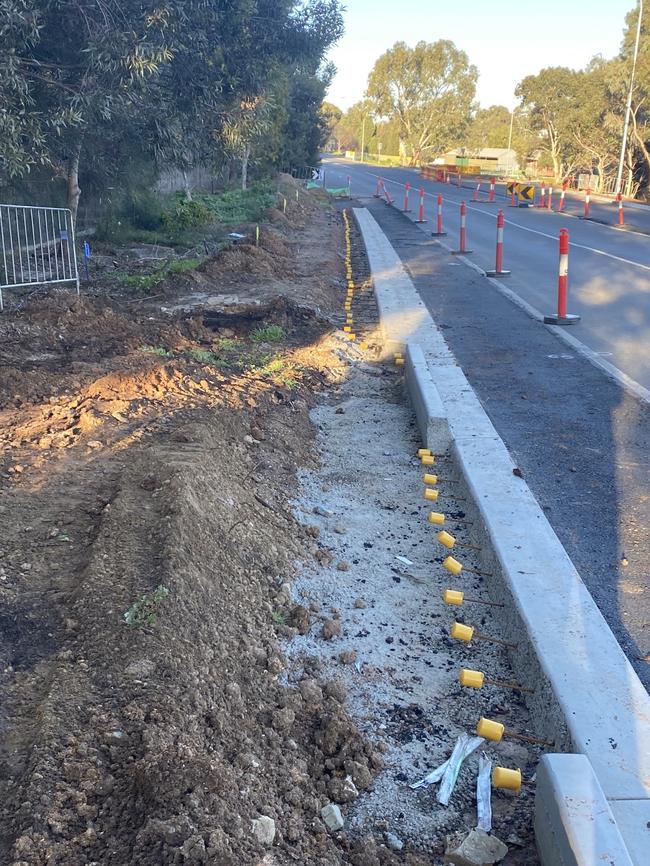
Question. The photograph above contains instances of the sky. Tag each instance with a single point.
(505, 39)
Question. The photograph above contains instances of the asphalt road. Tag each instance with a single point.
(581, 440)
(609, 269)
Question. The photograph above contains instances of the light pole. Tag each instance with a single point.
(628, 108)
(512, 120)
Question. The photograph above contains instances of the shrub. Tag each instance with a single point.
(186, 215)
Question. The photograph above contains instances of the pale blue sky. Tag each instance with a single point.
(505, 39)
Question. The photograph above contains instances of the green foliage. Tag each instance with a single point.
(203, 356)
(240, 206)
(144, 610)
(186, 214)
(268, 334)
(92, 84)
(181, 266)
(429, 90)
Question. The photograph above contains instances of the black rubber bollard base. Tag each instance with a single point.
(498, 273)
(569, 319)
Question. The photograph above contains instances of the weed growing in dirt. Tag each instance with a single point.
(203, 356)
(143, 611)
(269, 334)
(227, 344)
(155, 350)
(180, 266)
(279, 618)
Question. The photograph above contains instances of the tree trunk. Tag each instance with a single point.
(244, 167)
(74, 192)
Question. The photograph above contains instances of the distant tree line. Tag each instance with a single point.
(101, 94)
(420, 102)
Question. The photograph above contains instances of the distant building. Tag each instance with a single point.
(498, 160)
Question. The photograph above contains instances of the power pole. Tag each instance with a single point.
(628, 109)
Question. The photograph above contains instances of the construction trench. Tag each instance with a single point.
(224, 634)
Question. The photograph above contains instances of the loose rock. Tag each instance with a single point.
(331, 628)
(331, 815)
(263, 828)
(476, 849)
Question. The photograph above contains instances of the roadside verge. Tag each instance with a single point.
(587, 697)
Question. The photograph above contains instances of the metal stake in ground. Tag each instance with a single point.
(495, 731)
(476, 679)
(421, 218)
(462, 250)
(466, 633)
(439, 233)
(498, 268)
(562, 317)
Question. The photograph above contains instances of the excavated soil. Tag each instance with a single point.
(148, 544)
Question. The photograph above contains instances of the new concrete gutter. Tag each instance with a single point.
(593, 806)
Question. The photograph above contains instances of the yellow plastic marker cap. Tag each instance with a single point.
(462, 632)
(399, 362)
(363, 345)
(430, 479)
(431, 495)
(353, 337)
(453, 596)
(452, 565)
(428, 460)
(446, 539)
(347, 329)
(436, 518)
(490, 730)
(424, 452)
(502, 777)
(471, 679)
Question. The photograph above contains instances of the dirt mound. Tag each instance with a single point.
(161, 741)
(250, 260)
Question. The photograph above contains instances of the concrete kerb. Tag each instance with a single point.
(588, 698)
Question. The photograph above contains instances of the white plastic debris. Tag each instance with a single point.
(448, 772)
(403, 560)
(484, 793)
(464, 747)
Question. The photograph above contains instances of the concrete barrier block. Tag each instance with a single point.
(574, 825)
(426, 402)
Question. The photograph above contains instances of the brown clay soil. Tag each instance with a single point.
(147, 464)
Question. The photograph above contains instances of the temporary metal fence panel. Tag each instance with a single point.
(36, 247)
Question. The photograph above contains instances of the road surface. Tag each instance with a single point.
(609, 268)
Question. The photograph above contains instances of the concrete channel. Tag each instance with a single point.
(593, 791)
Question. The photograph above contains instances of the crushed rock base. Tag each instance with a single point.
(393, 652)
